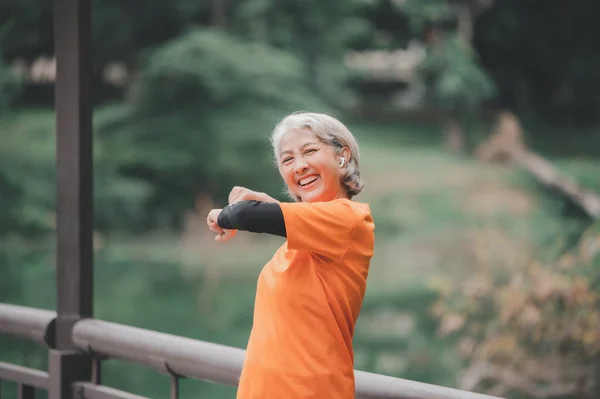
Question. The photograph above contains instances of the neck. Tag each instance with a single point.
(343, 193)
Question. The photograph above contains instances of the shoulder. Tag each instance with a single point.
(328, 228)
(363, 215)
(362, 241)
(360, 211)
(356, 215)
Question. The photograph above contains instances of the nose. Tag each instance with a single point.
(300, 165)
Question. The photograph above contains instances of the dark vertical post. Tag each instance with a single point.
(74, 259)
(74, 165)
(174, 387)
(26, 392)
(96, 371)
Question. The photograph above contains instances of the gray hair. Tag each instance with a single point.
(329, 131)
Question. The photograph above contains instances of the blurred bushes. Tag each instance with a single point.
(455, 81)
(27, 177)
(9, 86)
(532, 331)
(197, 122)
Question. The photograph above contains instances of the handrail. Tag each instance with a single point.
(166, 353)
(378, 386)
(186, 357)
(88, 390)
(178, 356)
(24, 375)
(30, 323)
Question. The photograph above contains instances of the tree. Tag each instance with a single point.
(454, 79)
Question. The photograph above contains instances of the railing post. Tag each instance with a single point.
(26, 392)
(74, 163)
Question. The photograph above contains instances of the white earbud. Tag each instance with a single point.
(342, 160)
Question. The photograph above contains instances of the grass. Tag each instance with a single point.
(435, 213)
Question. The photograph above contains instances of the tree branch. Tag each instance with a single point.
(506, 144)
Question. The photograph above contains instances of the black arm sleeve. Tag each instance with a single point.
(253, 216)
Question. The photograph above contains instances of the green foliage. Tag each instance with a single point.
(10, 85)
(28, 180)
(396, 335)
(24, 28)
(528, 330)
(456, 81)
(207, 68)
(199, 118)
(542, 57)
(424, 12)
(552, 72)
(312, 30)
(584, 171)
(27, 177)
(306, 27)
(453, 76)
(123, 30)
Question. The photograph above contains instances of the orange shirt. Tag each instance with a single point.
(308, 298)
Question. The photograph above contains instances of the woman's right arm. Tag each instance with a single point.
(253, 216)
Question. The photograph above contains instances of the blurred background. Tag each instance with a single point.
(480, 140)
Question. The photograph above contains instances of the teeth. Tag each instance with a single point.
(307, 180)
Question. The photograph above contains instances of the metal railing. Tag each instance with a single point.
(167, 354)
(32, 324)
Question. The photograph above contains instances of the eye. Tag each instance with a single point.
(286, 160)
(312, 150)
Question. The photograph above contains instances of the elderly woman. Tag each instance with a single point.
(310, 293)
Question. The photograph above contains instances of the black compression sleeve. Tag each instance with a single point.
(253, 216)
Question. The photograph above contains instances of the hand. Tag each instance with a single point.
(222, 234)
(238, 194)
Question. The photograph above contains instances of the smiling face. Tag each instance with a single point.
(310, 168)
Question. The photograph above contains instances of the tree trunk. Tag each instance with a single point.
(454, 132)
(218, 17)
(547, 175)
(465, 24)
(506, 144)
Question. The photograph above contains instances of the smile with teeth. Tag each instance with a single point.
(308, 180)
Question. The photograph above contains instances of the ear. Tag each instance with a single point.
(346, 154)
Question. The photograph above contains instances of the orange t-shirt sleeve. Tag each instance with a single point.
(323, 228)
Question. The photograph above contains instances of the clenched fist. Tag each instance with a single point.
(222, 234)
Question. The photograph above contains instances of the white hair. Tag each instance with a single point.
(329, 131)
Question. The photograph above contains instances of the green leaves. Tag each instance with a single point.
(456, 81)
(9, 86)
(206, 67)
(421, 12)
